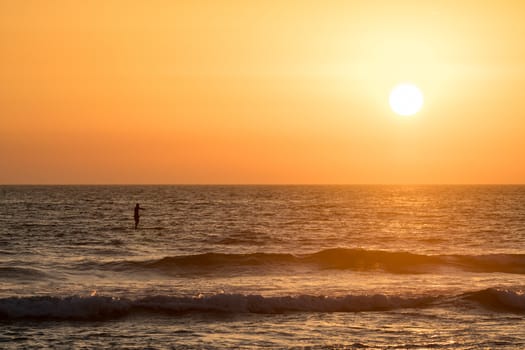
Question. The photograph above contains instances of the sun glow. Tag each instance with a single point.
(406, 99)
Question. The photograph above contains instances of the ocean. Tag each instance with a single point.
(317, 267)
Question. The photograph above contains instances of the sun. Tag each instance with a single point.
(406, 99)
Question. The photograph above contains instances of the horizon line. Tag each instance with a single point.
(262, 184)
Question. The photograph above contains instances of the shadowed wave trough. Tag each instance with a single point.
(339, 258)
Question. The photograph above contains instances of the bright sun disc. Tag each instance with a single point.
(406, 99)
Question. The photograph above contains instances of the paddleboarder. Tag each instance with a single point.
(136, 214)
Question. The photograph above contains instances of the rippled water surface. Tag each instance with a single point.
(264, 266)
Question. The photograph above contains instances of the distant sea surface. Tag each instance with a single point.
(262, 266)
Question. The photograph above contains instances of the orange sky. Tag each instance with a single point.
(260, 91)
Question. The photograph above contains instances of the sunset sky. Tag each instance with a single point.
(260, 92)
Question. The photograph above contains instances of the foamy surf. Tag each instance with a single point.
(104, 307)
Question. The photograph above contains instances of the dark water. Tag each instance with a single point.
(262, 266)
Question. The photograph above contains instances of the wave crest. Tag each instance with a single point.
(499, 299)
(101, 307)
(104, 307)
(21, 273)
(338, 258)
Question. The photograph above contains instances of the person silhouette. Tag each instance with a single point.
(136, 214)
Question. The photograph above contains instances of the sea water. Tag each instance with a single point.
(262, 266)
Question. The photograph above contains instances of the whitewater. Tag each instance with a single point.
(262, 266)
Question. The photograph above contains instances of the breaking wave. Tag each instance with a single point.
(338, 258)
(105, 307)
(499, 299)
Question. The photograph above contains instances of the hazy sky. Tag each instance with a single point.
(260, 91)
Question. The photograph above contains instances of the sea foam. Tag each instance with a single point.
(104, 307)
